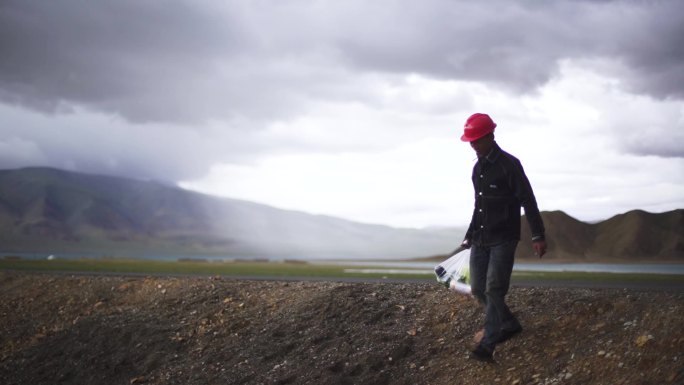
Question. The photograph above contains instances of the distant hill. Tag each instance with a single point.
(635, 235)
(45, 209)
(51, 210)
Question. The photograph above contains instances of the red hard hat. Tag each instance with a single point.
(477, 126)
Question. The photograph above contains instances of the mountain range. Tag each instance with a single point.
(634, 235)
(52, 210)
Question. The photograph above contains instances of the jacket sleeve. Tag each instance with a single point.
(471, 227)
(522, 190)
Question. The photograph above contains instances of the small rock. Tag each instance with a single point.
(568, 376)
(123, 287)
(643, 339)
(598, 326)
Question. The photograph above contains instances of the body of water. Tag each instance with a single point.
(650, 268)
(427, 267)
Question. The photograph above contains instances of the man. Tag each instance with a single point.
(501, 188)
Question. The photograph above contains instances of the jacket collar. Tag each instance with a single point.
(494, 153)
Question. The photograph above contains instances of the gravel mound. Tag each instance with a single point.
(60, 329)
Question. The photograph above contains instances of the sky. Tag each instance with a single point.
(352, 108)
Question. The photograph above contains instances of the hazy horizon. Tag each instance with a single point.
(430, 227)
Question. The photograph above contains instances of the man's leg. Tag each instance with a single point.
(499, 316)
(479, 262)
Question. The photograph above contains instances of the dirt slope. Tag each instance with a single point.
(123, 330)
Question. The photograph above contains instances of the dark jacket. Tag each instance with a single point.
(501, 188)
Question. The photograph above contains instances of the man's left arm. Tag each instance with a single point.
(523, 191)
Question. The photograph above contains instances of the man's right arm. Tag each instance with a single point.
(468, 239)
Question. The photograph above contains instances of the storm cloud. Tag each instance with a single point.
(191, 62)
(218, 94)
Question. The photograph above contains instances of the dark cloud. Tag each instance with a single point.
(647, 40)
(518, 45)
(166, 89)
(178, 61)
(669, 150)
(664, 140)
(90, 142)
(142, 60)
(197, 61)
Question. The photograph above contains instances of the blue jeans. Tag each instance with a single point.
(490, 277)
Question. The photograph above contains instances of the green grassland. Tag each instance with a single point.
(241, 268)
(291, 269)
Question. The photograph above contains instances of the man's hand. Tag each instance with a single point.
(539, 248)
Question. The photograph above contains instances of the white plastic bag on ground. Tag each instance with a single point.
(454, 273)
